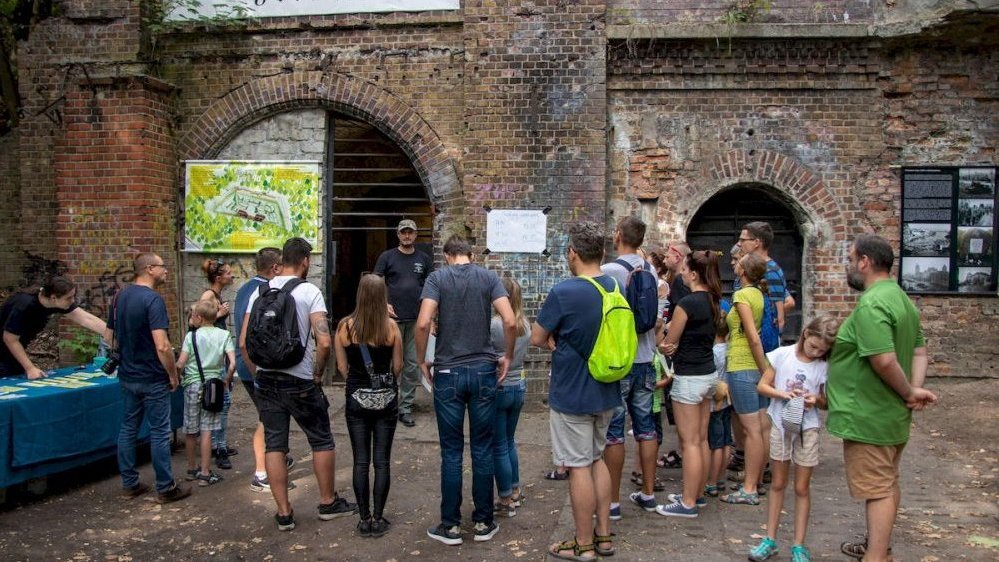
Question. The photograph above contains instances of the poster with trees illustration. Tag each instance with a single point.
(240, 207)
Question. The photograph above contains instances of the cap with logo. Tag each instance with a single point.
(404, 224)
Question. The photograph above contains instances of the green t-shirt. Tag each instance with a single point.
(213, 343)
(659, 363)
(740, 356)
(861, 406)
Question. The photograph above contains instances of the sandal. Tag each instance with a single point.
(576, 548)
(598, 539)
(555, 474)
(657, 486)
(741, 497)
(671, 459)
(856, 549)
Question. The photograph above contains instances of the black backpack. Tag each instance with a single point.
(273, 340)
(642, 293)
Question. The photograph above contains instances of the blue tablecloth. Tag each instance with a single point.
(66, 420)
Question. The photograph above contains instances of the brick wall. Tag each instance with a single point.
(710, 11)
(10, 194)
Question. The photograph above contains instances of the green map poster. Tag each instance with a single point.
(240, 207)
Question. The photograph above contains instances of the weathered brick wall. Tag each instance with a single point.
(10, 194)
(824, 124)
(622, 12)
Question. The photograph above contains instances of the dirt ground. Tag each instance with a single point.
(950, 493)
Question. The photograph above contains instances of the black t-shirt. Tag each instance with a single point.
(694, 353)
(404, 276)
(23, 315)
(677, 290)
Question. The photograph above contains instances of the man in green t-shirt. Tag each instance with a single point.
(876, 373)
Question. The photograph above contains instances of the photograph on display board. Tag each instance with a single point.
(925, 239)
(974, 246)
(974, 279)
(977, 182)
(926, 274)
(975, 212)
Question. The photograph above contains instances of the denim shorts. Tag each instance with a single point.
(636, 400)
(742, 390)
(720, 429)
(281, 397)
(693, 389)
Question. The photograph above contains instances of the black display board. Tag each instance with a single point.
(949, 230)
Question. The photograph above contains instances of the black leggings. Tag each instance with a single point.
(371, 431)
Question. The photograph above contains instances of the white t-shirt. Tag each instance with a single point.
(792, 374)
(308, 300)
(720, 350)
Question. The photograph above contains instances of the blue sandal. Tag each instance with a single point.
(741, 497)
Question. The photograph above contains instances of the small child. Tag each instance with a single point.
(795, 370)
(214, 344)
(720, 422)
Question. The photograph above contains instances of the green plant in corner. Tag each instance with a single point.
(743, 11)
(82, 344)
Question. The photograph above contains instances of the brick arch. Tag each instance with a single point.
(264, 97)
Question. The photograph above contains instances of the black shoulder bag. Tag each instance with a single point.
(213, 389)
(382, 392)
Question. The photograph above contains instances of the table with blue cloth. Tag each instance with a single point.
(69, 419)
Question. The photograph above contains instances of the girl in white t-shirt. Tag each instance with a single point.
(795, 370)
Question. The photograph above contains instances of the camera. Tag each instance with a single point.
(111, 364)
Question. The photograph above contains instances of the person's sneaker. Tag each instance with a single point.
(364, 527)
(222, 460)
(339, 508)
(450, 536)
(379, 527)
(615, 513)
(800, 553)
(263, 485)
(407, 419)
(285, 522)
(485, 531)
(192, 474)
(134, 491)
(504, 510)
(647, 505)
(763, 551)
(208, 479)
(701, 501)
(289, 462)
(677, 509)
(174, 494)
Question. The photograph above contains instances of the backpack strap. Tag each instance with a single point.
(291, 284)
(369, 365)
(197, 357)
(624, 264)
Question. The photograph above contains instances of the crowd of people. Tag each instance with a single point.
(713, 365)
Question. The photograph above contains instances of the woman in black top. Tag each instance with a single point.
(689, 341)
(371, 431)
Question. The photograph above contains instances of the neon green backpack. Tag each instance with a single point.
(617, 342)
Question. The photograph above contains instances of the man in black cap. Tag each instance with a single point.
(405, 268)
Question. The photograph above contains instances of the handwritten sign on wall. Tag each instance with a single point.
(516, 230)
(279, 8)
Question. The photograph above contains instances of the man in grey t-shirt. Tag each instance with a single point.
(466, 373)
(637, 387)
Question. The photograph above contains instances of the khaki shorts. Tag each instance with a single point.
(801, 448)
(871, 470)
(578, 440)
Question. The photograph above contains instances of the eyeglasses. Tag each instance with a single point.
(157, 265)
(748, 239)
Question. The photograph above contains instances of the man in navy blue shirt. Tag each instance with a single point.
(581, 407)
(138, 325)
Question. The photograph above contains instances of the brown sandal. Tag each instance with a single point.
(576, 548)
(598, 539)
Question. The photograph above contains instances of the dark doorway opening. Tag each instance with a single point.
(372, 186)
(717, 224)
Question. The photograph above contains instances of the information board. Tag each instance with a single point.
(949, 230)
(516, 230)
(240, 207)
(281, 8)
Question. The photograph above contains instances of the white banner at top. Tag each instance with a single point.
(279, 8)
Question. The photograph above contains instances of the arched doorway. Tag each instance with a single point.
(372, 186)
(717, 224)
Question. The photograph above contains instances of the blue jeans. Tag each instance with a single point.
(151, 399)
(636, 400)
(218, 436)
(471, 387)
(509, 401)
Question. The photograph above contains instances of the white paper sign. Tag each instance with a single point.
(278, 8)
(520, 231)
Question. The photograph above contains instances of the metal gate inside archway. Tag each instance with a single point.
(717, 224)
(372, 185)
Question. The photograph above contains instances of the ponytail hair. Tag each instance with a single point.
(755, 269)
(53, 287)
(705, 264)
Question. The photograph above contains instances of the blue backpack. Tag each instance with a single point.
(769, 331)
(642, 293)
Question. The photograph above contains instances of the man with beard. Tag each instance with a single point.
(147, 374)
(876, 373)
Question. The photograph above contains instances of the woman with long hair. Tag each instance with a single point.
(689, 341)
(745, 363)
(219, 276)
(371, 429)
(509, 401)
